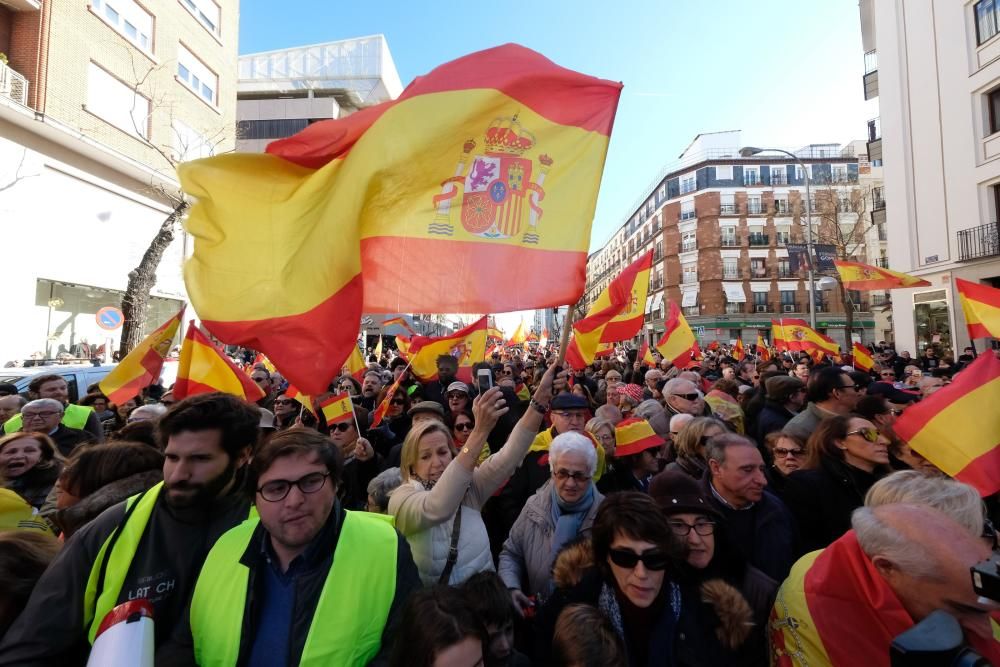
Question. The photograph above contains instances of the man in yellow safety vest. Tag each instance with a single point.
(54, 386)
(327, 585)
(151, 546)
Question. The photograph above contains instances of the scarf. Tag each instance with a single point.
(427, 484)
(568, 517)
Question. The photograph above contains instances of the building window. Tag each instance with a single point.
(787, 301)
(727, 236)
(690, 311)
(758, 267)
(688, 184)
(117, 103)
(753, 205)
(278, 128)
(727, 204)
(779, 176)
(784, 268)
(782, 234)
(760, 301)
(993, 102)
(687, 210)
(689, 274)
(189, 144)
(129, 19)
(800, 173)
(207, 13)
(724, 173)
(838, 173)
(751, 176)
(986, 19)
(730, 268)
(781, 204)
(193, 73)
(689, 241)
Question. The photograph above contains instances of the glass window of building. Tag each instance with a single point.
(196, 76)
(207, 13)
(730, 268)
(129, 19)
(118, 104)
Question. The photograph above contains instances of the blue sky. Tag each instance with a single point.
(786, 72)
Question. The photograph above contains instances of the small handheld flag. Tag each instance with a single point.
(337, 409)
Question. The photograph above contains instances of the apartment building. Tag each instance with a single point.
(281, 92)
(721, 225)
(934, 66)
(99, 100)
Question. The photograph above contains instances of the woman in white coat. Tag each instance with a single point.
(437, 507)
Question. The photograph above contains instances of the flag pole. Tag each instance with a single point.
(564, 339)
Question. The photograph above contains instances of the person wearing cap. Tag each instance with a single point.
(8, 389)
(636, 448)
(557, 514)
(784, 399)
(711, 554)
(426, 410)
(629, 396)
(458, 397)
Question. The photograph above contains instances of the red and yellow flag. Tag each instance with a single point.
(204, 368)
(383, 407)
(337, 409)
(738, 351)
(981, 306)
(294, 394)
(519, 336)
(544, 339)
(377, 352)
(678, 342)
(612, 314)
(356, 366)
(863, 358)
(468, 346)
(487, 167)
(763, 352)
(952, 430)
(141, 367)
(398, 321)
(646, 355)
(855, 275)
(794, 334)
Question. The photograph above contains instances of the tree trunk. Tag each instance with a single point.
(848, 314)
(141, 280)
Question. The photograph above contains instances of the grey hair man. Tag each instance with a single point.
(761, 525)
(652, 378)
(682, 395)
(379, 489)
(44, 415)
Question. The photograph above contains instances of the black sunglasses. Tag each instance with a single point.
(284, 401)
(342, 427)
(651, 560)
(687, 397)
(466, 426)
(398, 401)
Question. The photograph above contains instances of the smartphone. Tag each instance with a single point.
(484, 380)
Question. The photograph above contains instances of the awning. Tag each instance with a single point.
(690, 298)
(657, 302)
(734, 292)
(649, 303)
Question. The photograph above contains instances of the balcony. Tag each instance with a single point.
(687, 246)
(728, 209)
(981, 241)
(860, 306)
(657, 255)
(785, 272)
(758, 272)
(881, 300)
(13, 85)
(875, 141)
(688, 186)
(870, 78)
(779, 178)
(730, 274)
(822, 306)
(689, 278)
(688, 215)
(759, 239)
(729, 242)
(783, 238)
(781, 207)
(751, 179)
(882, 262)
(735, 308)
(760, 308)
(754, 208)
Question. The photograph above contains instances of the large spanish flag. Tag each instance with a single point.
(204, 368)
(981, 306)
(795, 334)
(678, 341)
(468, 345)
(611, 315)
(486, 168)
(956, 429)
(855, 275)
(141, 367)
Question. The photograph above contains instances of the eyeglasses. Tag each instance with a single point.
(284, 401)
(855, 387)
(276, 490)
(683, 528)
(342, 427)
(613, 378)
(688, 397)
(25, 416)
(782, 453)
(652, 560)
(397, 401)
(563, 475)
(869, 434)
(464, 426)
(606, 438)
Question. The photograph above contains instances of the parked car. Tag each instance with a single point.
(78, 377)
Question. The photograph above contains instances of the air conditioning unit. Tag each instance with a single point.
(760, 308)
(788, 308)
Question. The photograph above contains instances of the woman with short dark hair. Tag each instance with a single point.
(30, 464)
(439, 629)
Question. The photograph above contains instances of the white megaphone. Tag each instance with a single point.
(125, 638)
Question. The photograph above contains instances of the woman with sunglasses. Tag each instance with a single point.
(787, 454)
(713, 556)
(558, 513)
(438, 507)
(689, 445)
(847, 455)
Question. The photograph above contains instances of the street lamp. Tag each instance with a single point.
(750, 151)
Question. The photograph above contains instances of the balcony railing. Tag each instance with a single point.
(754, 209)
(860, 306)
(758, 272)
(687, 246)
(783, 238)
(688, 186)
(730, 274)
(760, 308)
(759, 239)
(13, 85)
(689, 278)
(882, 262)
(788, 307)
(688, 215)
(786, 273)
(981, 241)
(728, 209)
(735, 308)
(729, 243)
(751, 179)
(781, 207)
(881, 299)
(779, 178)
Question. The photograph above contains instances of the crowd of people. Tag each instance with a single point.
(619, 515)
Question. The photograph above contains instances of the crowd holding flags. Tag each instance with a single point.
(738, 352)
(467, 345)
(763, 351)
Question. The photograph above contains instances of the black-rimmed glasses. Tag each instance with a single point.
(276, 490)
(683, 528)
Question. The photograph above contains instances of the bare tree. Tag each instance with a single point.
(18, 176)
(142, 278)
(842, 222)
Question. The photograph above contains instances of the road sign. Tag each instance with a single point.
(109, 318)
(700, 331)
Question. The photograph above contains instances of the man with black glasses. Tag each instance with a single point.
(327, 585)
(682, 396)
(831, 391)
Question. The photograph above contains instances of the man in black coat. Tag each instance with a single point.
(785, 397)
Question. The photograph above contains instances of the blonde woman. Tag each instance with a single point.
(437, 506)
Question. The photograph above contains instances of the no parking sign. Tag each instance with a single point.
(109, 318)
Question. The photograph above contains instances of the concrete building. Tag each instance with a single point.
(281, 92)
(99, 100)
(934, 66)
(720, 227)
